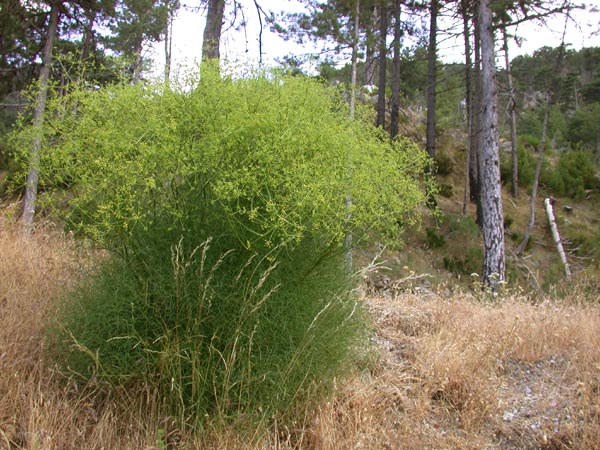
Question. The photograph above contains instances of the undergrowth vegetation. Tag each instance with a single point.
(223, 209)
(571, 175)
(450, 372)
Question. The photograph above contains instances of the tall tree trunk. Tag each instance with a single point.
(213, 29)
(489, 165)
(431, 95)
(31, 188)
(536, 178)
(476, 126)
(354, 62)
(395, 115)
(168, 40)
(431, 79)
(468, 101)
(370, 66)
(381, 106)
(138, 62)
(88, 37)
(512, 107)
(348, 240)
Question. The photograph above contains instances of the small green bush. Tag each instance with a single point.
(584, 128)
(526, 160)
(433, 238)
(446, 190)
(574, 173)
(464, 254)
(463, 227)
(553, 180)
(444, 165)
(467, 263)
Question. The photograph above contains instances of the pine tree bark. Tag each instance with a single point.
(381, 106)
(489, 164)
(468, 102)
(370, 67)
(88, 37)
(354, 62)
(430, 133)
(395, 113)
(431, 79)
(31, 188)
(512, 107)
(212, 30)
(476, 141)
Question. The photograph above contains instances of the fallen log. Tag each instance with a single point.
(549, 202)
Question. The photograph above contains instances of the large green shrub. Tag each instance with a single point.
(574, 173)
(584, 126)
(261, 168)
(570, 176)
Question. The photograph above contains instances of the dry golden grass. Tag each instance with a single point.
(452, 373)
(39, 409)
(43, 409)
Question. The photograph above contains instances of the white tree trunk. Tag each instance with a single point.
(168, 41)
(548, 202)
(31, 188)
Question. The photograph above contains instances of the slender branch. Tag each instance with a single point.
(542, 15)
(260, 12)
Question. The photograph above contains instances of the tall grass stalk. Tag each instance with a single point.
(214, 335)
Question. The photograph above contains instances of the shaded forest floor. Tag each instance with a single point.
(449, 369)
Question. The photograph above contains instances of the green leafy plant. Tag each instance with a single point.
(583, 128)
(446, 190)
(463, 254)
(526, 159)
(573, 174)
(434, 239)
(444, 165)
(223, 209)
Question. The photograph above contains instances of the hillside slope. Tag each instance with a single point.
(445, 371)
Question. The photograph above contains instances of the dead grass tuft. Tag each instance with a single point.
(466, 374)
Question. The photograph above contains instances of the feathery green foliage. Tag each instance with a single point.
(223, 209)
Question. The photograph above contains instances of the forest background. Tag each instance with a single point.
(219, 224)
